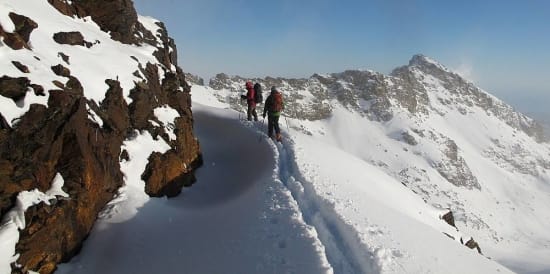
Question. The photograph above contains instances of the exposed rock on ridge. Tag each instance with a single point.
(117, 17)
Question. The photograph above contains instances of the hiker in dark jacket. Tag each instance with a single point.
(251, 111)
(273, 107)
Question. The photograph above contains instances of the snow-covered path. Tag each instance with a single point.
(238, 218)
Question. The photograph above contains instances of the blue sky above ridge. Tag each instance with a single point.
(502, 46)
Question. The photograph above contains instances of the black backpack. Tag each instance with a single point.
(258, 98)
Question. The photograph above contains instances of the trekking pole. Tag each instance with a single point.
(243, 110)
(262, 128)
(287, 127)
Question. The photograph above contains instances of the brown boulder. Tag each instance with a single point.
(38, 90)
(20, 37)
(20, 66)
(23, 25)
(14, 88)
(473, 244)
(166, 174)
(73, 38)
(449, 218)
(64, 57)
(60, 70)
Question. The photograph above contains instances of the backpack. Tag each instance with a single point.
(277, 102)
(258, 98)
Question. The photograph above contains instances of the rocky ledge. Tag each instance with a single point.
(60, 138)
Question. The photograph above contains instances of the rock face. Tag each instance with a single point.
(61, 137)
(118, 17)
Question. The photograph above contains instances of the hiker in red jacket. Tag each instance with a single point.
(250, 101)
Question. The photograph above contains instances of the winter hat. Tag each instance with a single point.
(273, 89)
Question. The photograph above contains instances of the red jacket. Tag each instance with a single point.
(250, 95)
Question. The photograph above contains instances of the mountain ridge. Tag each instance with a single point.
(408, 93)
(448, 141)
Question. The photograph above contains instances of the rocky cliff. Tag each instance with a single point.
(78, 80)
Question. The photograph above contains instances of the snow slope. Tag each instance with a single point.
(87, 64)
(367, 220)
(342, 194)
(261, 207)
(451, 144)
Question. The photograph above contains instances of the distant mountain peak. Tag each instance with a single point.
(424, 62)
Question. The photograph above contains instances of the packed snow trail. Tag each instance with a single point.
(343, 246)
(238, 218)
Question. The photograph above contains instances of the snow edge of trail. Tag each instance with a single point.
(344, 249)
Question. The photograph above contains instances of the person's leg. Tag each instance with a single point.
(277, 128)
(255, 114)
(270, 126)
(249, 112)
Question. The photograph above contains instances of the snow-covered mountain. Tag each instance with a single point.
(454, 146)
(93, 106)
(414, 172)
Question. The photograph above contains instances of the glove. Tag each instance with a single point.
(263, 115)
(243, 97)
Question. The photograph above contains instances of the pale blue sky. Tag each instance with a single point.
(503, 46)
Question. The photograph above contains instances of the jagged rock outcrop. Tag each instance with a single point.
(73, 38)
(20, 66)
(193, 79)
(81, 138)
(14, 88)
(59, 138)
(449, 218)
(473, 244)
(19, 38)
(117, 17)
